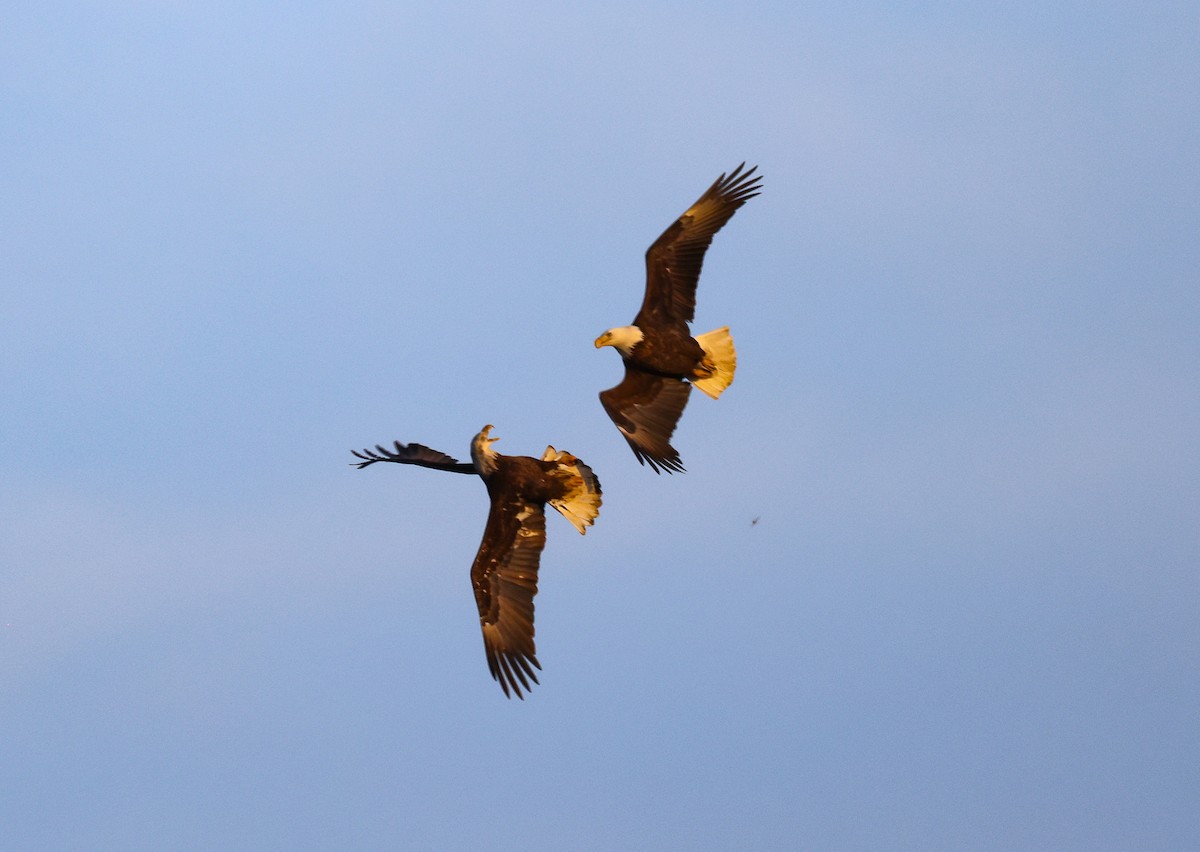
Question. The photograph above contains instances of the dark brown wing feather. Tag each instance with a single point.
(504, 577)
(417, 454)
(646, 408)
(673, 262)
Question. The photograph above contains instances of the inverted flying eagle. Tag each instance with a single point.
(662, 359)
(505, 571)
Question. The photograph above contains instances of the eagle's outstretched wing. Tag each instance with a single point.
(673, 263)
(645, 408)
(417, 454)
(504, 577)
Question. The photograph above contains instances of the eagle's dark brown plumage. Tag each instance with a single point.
(505, 572)
(662, 358)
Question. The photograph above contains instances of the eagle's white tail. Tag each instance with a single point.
(581, 504)
(721, 357)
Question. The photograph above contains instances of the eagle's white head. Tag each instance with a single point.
(623, 339)
(482, 454)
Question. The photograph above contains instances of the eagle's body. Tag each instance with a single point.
(662, 358)
(504, 574)
(666, 348)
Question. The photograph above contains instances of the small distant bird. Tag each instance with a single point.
(662, 359)
(504, 574)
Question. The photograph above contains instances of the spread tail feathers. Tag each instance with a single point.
(720, 357)
(581, 504)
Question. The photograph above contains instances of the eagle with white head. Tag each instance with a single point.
(505, 572)
(662, 358)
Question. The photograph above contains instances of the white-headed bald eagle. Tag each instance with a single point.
(662, 359)
(504, 574)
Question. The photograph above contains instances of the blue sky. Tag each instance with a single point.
(237, 243)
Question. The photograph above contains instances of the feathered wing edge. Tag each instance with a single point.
(504, 577)
(646, 408)
(417, 454)
(675, 259)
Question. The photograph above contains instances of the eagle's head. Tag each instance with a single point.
(623, 339)
(482, 454)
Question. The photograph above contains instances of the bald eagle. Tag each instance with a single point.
(504, 574)
(662, 359)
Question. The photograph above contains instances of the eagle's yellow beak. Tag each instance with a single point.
(603, 339)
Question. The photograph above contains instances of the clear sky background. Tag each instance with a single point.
(237, 240)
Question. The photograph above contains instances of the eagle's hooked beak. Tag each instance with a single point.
(603, 339)
(484, 434)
